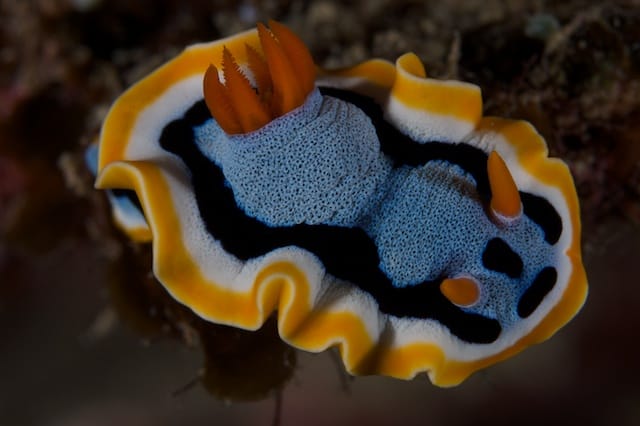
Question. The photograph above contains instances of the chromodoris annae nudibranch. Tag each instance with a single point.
(371, 208)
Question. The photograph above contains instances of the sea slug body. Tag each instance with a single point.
(372, 207)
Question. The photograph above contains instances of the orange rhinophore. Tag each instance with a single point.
(283, 79)
(461, 291)
(505, 199)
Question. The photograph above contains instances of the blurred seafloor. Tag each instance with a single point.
(88, 338)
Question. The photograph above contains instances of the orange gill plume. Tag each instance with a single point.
(284, 78)
(505, 198)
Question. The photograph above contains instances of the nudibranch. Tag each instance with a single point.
(373, 208)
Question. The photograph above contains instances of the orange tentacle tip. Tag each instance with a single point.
(283, 80)
(461, 291)
(505, 199)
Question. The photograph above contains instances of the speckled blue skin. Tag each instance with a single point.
(432, 225)
(322, 164)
